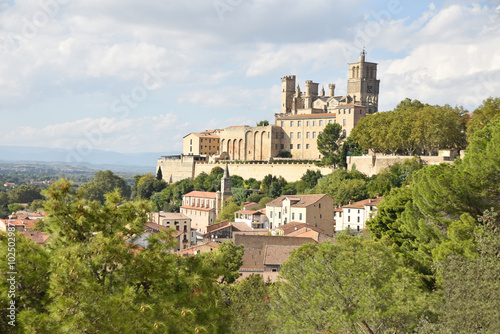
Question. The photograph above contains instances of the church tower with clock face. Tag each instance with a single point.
(363, 86)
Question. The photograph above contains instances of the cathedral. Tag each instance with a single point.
(302, 118)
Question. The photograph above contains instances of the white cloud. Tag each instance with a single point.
(123, 135)
(454, 59)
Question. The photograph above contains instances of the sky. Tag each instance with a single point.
(136, 76)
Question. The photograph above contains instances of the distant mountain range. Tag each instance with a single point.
(95, 159)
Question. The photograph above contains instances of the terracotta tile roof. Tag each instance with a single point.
(338, 209)
(37, 236)
(157, 228)
(249, 212)
(239, 226)
(277, 255)
(297, 201)
(255, 248)
(191, 250)
(317, 115)
(350, 105)
(295, 226)
(196, 208)
(361, 204)
(201, 194)
(25, 223)
(204, 134)
(173, 215)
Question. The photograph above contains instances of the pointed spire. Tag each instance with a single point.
(323, 90)
(226, 172)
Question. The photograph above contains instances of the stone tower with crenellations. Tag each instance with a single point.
(363, 85)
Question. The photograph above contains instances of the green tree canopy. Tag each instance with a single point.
(329, 143)
(352, 285)
(343, 186)
(228, 210)
(104, 182)
(488, 111)
(412, 127)
(311, 178)
(148, 185)
(91, 280)
(24, 194)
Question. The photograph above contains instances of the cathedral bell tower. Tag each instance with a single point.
(363, 85)
(224, 193)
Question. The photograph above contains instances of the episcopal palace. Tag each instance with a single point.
(303, 116)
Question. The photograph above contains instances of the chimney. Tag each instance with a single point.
(350, 202)
(369, 200)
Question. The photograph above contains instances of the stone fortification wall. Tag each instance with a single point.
(174, 170)
(291, 172)
(371, 165)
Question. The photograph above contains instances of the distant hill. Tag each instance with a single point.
(95, 159)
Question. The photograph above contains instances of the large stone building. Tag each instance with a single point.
(355, 215)
(204, 207)
(203, 143)
(303, 117)
(316, 210)
(250, 143)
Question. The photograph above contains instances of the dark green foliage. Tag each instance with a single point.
(488, 111)
(311, 178)
(393, 176)
(285, 154)
(239, 195)
(343, 186)
(148, 185)
(387, 223)
(436, 217)
(347, 287)
(471, 286)
(276, 188)
(237, 181)
(412, 127)
(90, 281)
(249, 305)
(273, 186)
(349, 148)
(329, 142)
(255, 197)
(32, 280)
(217, 171)
(159, 174)
(263, 201)
(14, 207)
(252, 183)
(228, 210)
(263, 123)
(104, 182)
(24, 194)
